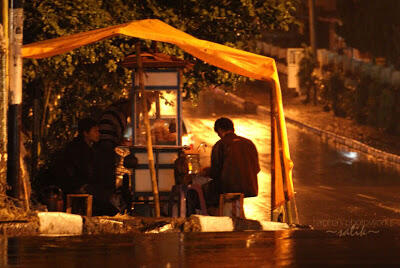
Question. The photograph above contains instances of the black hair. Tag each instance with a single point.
(224, 124)
(85, 125)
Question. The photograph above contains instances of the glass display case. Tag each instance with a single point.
(163, 117)
(163, 101)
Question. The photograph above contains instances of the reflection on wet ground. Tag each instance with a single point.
(238, 249)
(341, 186)
(317, 159)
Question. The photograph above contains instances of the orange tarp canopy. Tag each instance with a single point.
(230, 59)
(227, 58)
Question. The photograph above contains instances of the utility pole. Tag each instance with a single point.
(4, 94)
(14, 109)
(311, 17)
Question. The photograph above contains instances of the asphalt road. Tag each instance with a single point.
(334, 188)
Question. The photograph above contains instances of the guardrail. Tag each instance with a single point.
(387, 75)
(383, 74)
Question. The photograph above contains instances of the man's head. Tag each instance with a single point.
(88, 129)
(223, 125)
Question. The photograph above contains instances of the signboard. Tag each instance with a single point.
(294, 56)
(160, 80)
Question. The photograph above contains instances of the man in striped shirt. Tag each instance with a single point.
(112, 126)
(113, 123)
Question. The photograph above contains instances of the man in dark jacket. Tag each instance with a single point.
(234, 161)
(75, 168)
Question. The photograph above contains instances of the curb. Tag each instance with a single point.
(64, 224)
(341, 141)
(60, 223)
(337, 140)
(200, 223)
(19, 228)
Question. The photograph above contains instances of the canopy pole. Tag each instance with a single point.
(273, 178)
(148, 132)
(286, 211)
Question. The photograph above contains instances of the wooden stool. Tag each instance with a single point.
(178, 196)
(236, 201)
(88, 198)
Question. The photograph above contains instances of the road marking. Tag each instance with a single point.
(366, 196)
(326, 187)
(397, 210)
(380, 205)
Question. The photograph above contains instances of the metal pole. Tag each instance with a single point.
(287, 209)
(290, 208)
(148, 132)
(14, 111)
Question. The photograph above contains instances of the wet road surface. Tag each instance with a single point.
(335, 184)
(234, 249)
(333, 187)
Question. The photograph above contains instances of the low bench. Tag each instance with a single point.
(73, 198)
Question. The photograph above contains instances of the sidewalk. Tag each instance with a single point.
(64, 224)
(378, 145)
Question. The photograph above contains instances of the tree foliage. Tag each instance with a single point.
(83, 81)
(372, 27)
(308, 80)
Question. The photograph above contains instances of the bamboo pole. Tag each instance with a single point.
(35, 132)
(47, 90)
(148, 132)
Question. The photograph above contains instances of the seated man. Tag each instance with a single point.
(76, 167)
(234, 164)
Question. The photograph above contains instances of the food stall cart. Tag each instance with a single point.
(282, 202)
(162, 85)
